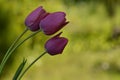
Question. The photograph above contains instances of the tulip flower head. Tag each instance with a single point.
(56, 44)
(53, 22)
(33, 19)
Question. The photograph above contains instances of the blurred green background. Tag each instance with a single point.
(93, 52)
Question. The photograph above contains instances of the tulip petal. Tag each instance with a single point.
(56, 45)
(33, 19)
(53, 23)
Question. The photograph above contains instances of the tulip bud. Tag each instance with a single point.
(56, 44)
(53, 23)
(33, 19)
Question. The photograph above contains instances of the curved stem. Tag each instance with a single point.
(16, 47)
(32, 64)
(10, 48)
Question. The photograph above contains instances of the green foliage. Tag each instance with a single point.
(90, 55)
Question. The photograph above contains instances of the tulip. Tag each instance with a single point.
(53, 23)
(56, 44)
(33, 19)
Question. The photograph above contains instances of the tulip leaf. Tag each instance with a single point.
(19, 70)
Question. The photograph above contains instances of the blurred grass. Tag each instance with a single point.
(88, 56)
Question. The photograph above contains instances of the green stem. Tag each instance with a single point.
(31, 65)
(15, 48)
(10, 48)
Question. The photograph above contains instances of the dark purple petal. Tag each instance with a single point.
(53, 23)
(56, 45)
(33, 19)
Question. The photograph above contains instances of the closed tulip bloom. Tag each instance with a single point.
(56, 45)
(53, 23)
(33, 19)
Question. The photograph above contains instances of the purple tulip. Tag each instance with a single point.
(53, 23)
(56, 44)
(33, 19)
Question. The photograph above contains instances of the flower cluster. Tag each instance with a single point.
(49, 23)
(40, 20)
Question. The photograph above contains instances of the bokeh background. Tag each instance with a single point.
(93, 52)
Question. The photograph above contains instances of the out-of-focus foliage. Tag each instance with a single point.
(93, 32)
(110, 5)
